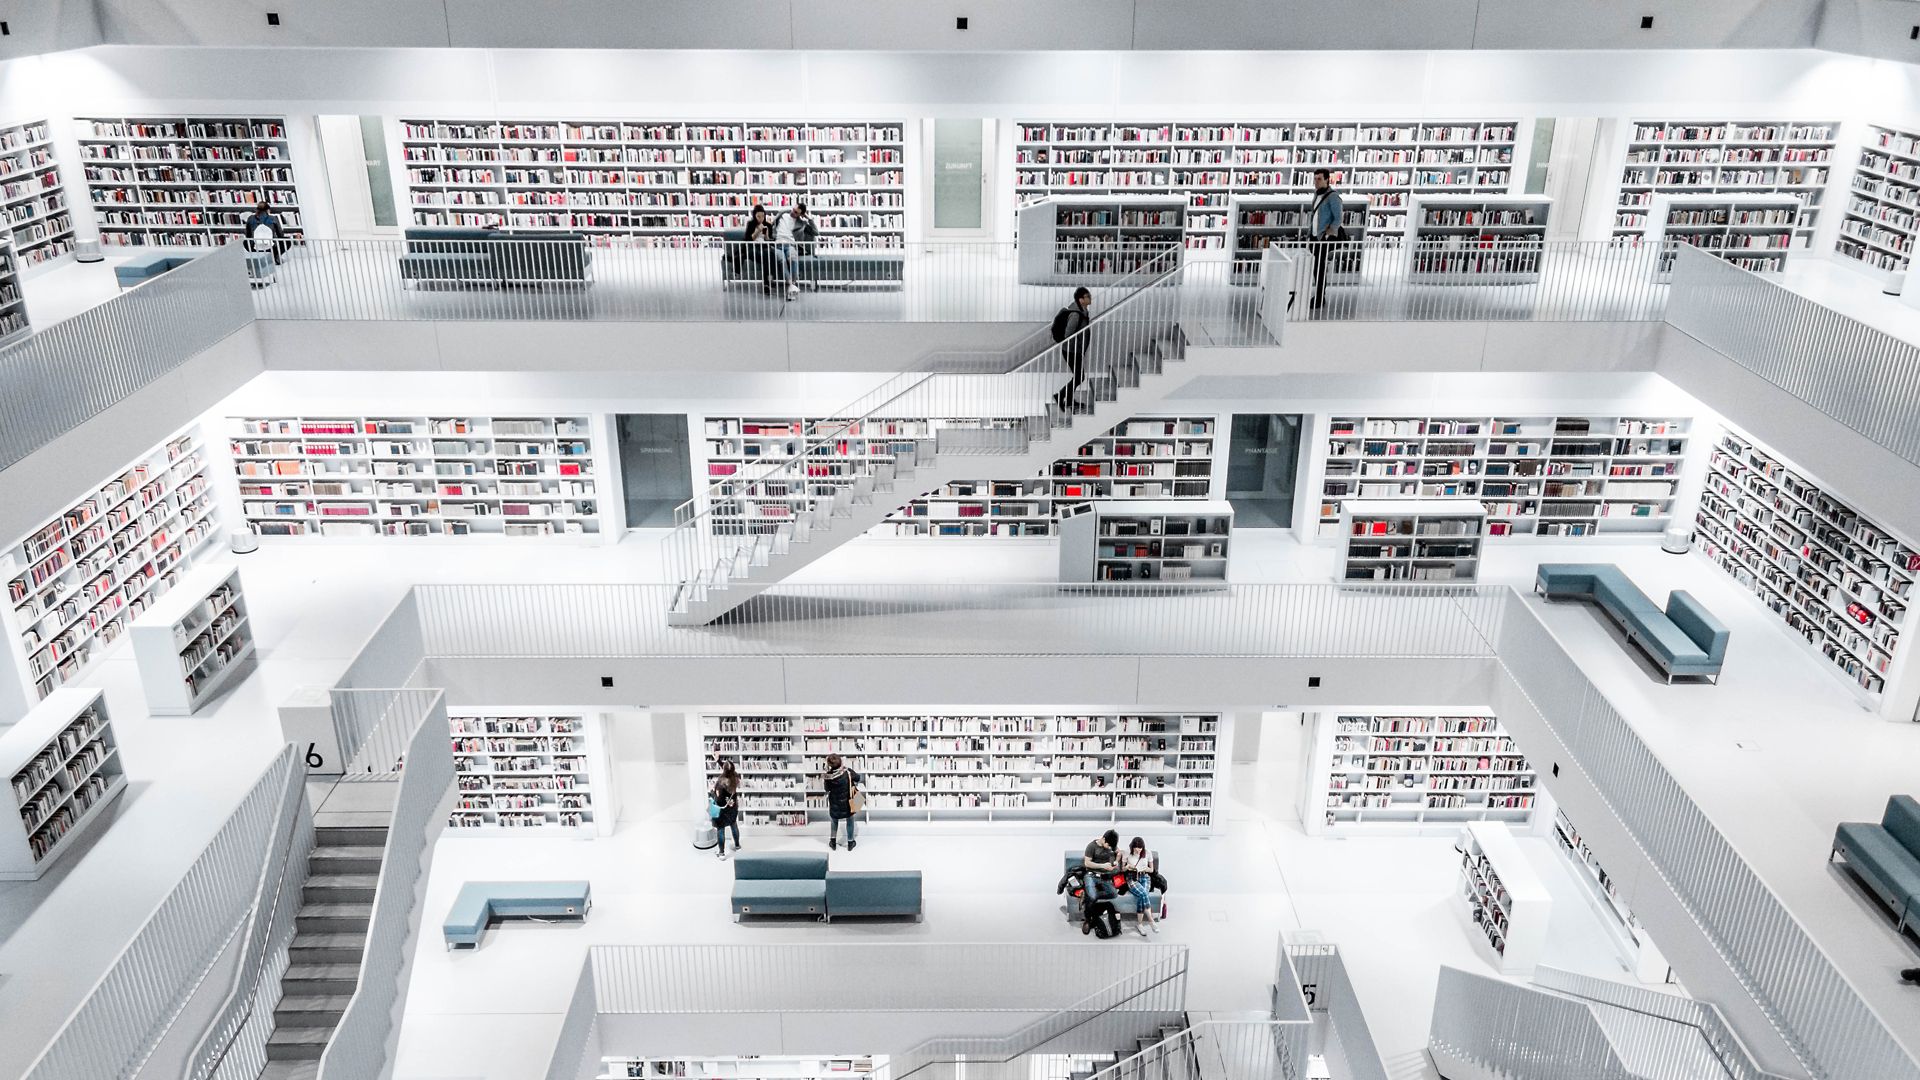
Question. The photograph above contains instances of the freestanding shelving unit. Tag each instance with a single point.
(1423, 773)
(1476, 239)
(31, 197)
(1753, 231)
(1678, 157)
(193, 641)
(1561, 476)
(1505, 900)
(657, 183)
(1418, 541)
(416, 476)
(1883, 208)
(1162, 767)
(186, 181)
(1637, 950)
(74, 583)
(1097, 239)
(1147, 541)
(1832, 574)
(63, 768)
(541, 769)
(1259, 221)
(13, 303)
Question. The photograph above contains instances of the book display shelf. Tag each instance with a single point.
(1695, 157)
(1417, 541)
(1839, 579)
(1881, 207)
(1476, 239)
(1559, 476)
(1261, 221)
(1505, 900)
(1415, 773)
(74, 583)
(545, 769)
(1097, 239)
(416, 476)
(1754, 231)
(1032, 768)
(186, 181)
(1207, 163)
(657, 183)
(1169, 541)
(63, 768)
(13, 303)
(31, 197)
(745, 1067)
(1630, 940)
(193, 641)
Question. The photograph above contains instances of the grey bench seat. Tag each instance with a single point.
(799, 883)
(1886, 856)
(1683, 640)
(481, 902)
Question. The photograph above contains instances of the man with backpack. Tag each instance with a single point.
(1070, 326)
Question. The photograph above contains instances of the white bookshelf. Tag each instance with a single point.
(1160, 767)
(1554, 476)
(74, 583)
(1257, 222)
(1832, 574)
(1147, 541)
(1505, 901)
(1416, 772)
(739, 452)
(657, 183)
(31, 196)
(1630, 940)
(1476, 239)
(63, 768)
(186, 181)
(194, 641)
(1754, 231)
(13, 303)
(771, 1067)
(1142, 457)
(1878, 229)
(442, 475)
(1691, 156)
(1415, 541)
(1097, 239)
(516, 770)
(1208, 163)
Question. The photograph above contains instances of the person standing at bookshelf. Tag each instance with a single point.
(843, 796)
(791, 234)
(726, 796)
(1071, 328)
(1328, 230)
(262, 229)
(758, 252)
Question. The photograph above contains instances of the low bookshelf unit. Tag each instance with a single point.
(194, 641)
(1411, 541)
(1098, 239)
(1262, 221)
(1506, 901)
(1147, 541)
(1425, 773)
(1753, 231)
(1476, 239)
(63, 768)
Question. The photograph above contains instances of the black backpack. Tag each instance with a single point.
(1103, 918)
(1060, 323)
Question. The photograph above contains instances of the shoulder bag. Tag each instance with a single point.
(856, 799)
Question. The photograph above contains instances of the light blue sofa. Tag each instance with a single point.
(1123, 903)
(481, 902)
(1683, 640)
(1886, 856)
(129, 274)
(799, 883)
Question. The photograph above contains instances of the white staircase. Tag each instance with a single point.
(1129, 371)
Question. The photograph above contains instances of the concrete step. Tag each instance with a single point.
(297, 1043)
(320, 978)
(326, 836)
(340, 888)
(347, 859)
(334, 918)
(324, 948)
(308, 1011)
(291, 1070)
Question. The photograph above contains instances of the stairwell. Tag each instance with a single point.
(330, 938)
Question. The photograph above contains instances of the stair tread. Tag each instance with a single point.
(297, 1036)
(290, 1070)
(314, 1003)
(322, 971)
(342, 909)
(328, 939)
(342, 881)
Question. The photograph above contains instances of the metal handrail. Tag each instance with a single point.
(1702, 1016)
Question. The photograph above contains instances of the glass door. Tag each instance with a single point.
(960, 181)
(1263, 469)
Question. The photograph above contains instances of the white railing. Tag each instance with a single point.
(1506, 1031)
(1702, 1018)
(375, 728)
(576, 1053)
(1866, 379)
(363, 1043)
(1349, 1046)
(63, 375)
(151, 981)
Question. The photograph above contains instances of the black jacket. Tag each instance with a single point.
(840, 787)
(728, 801)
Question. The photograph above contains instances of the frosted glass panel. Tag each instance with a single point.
(959, 163)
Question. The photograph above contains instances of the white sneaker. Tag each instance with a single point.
(1155, 926)
(793, 291)
(1142, 928)
(720, 854)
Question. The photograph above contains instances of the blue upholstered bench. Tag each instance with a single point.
(1685, 639)
(133, 273)
(1886, 856)
(1122, 903)
(873, 893)
(480, 902)
(799, 883)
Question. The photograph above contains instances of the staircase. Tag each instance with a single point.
(330, 937)
(1167, 1054)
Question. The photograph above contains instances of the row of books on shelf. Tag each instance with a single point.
(1717, 155)
(1727, 176)
(644, 131)
(1258, 156)
(1310, 132)
(1733, 131)
(1426, 801)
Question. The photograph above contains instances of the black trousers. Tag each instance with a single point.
(1075, 354)
(1322, 251)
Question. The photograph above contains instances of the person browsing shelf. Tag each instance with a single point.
(1071, 328)
(726, 796)
(843, 788)
(1140, 866)
(262, 230)
(1101, 860)
(757, 254)
(1327, 230)
(793, 233)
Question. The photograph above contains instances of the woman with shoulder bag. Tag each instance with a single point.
(724, 806)
(1142, 866)
(844, 799)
